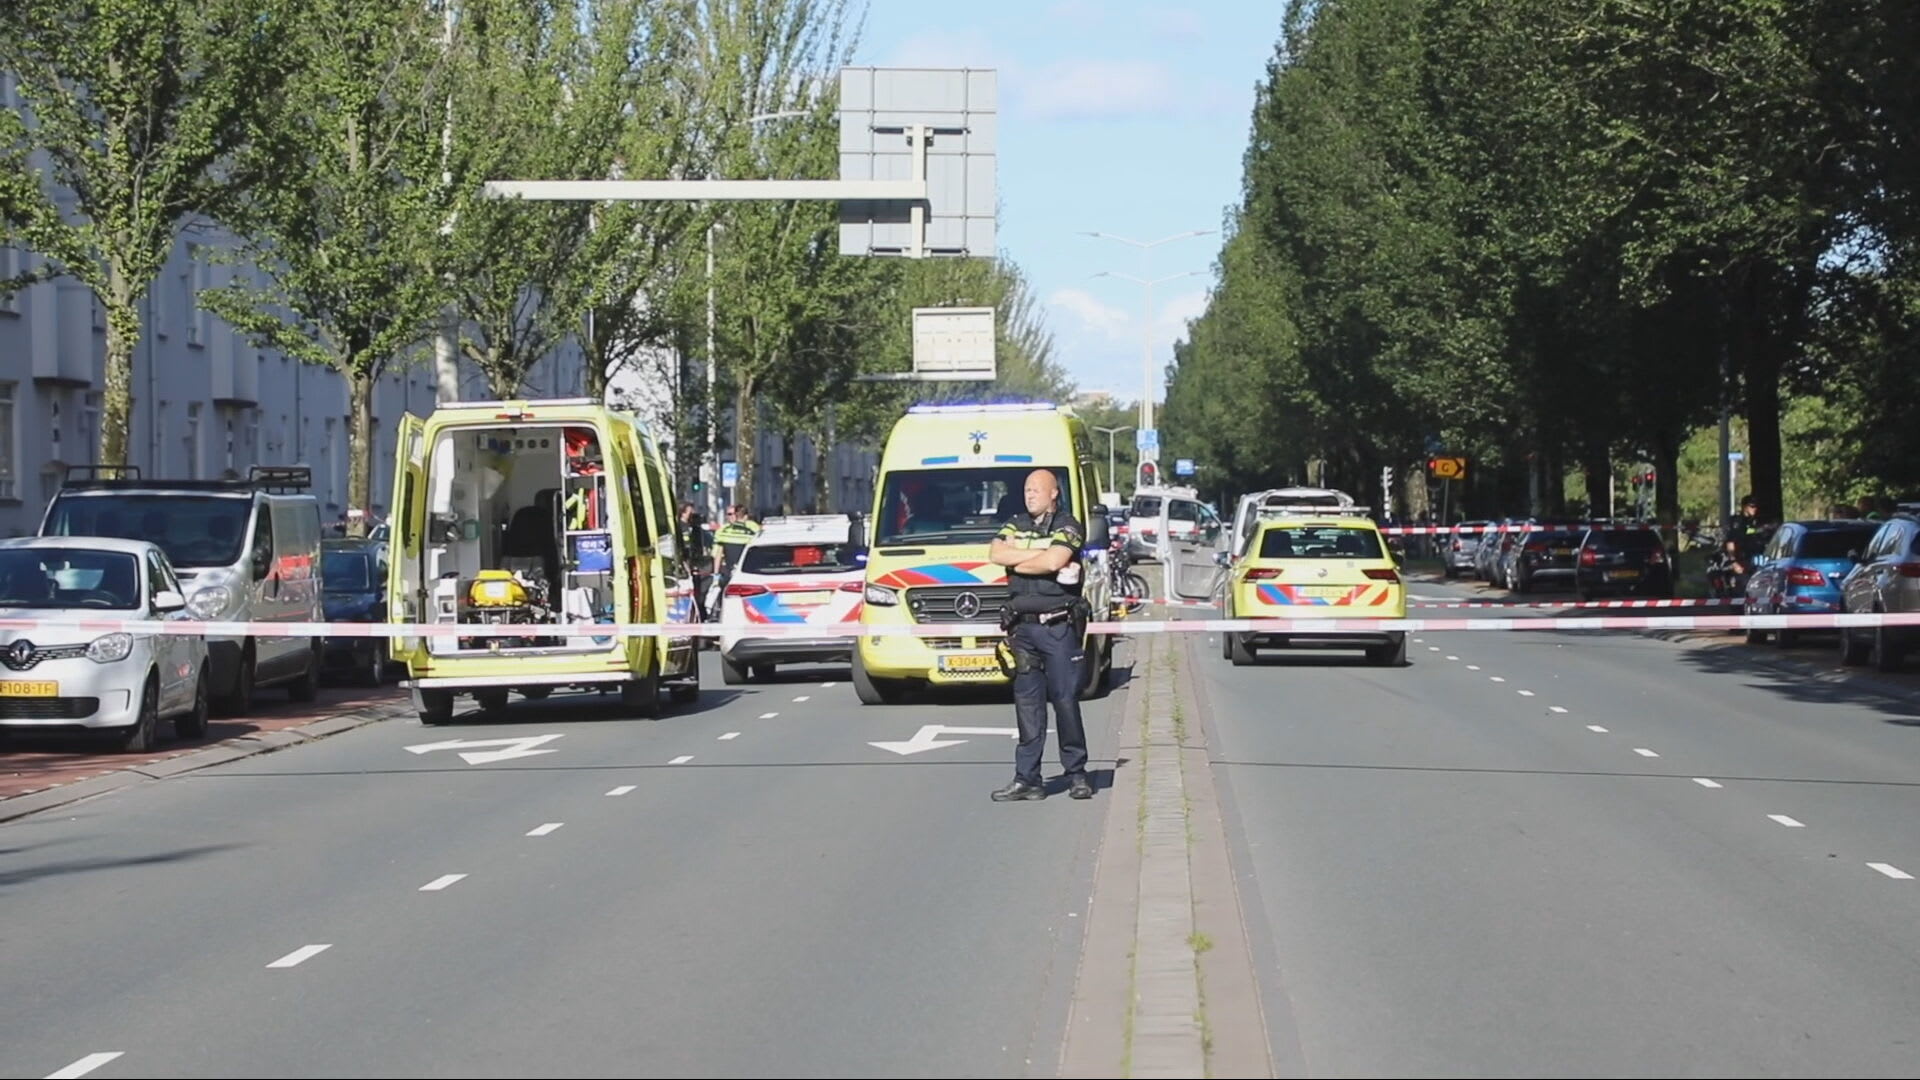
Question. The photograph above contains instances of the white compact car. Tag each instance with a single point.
(74, 680)
(800, 571)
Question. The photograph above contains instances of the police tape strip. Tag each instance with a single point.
(1473, 530)
(1519, 604)
(1127, 627)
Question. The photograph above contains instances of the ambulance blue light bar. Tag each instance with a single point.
(1003, 407)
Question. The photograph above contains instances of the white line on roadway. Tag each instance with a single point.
(1644, 752)
(1453, 658)
(1787, 821)
(1473, 667)
(1704, 782)
(681, 760)
(1496, 678)
(441, 882)
(1555, 708)
(299, 956)
(85, 1065)
(729, 735)
(802, 697)
(1596, 727)
(547, 828)
(621, 790)
(768, 715)
(828, 685)
(1893, 872)
(1433, 648)
(1526, 693)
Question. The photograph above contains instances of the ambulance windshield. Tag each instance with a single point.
(955, 506)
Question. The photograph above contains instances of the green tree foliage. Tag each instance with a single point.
(140, 109)
(1537, 232)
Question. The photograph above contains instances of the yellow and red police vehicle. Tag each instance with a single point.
(1316, 562)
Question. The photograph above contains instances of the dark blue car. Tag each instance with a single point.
(354, 576)
(1800, 571)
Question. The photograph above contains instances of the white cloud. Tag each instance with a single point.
(1180, 23)
(971, 47)
(1079, 89)
(1094, 317)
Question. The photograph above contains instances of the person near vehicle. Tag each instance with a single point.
(1045, 620)
(732, 539)
(691, 539)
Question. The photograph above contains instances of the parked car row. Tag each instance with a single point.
(114, 544)
(1591, 558)
(1842, 567)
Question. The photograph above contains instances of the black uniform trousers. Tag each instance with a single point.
(1049, 665)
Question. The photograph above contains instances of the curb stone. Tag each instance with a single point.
(244, 746)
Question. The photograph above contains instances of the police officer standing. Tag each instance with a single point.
(1045, 620)
(729, 543)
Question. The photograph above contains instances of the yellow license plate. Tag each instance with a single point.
(1562, 552)
(29, 689)
(969, 663)
(1623, 573)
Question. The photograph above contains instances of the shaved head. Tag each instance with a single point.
(1042, 489)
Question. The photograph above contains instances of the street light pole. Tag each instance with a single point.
(1110, 433)
(1146, 360)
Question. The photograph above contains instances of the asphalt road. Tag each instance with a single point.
(1571, 854)
(744, 887)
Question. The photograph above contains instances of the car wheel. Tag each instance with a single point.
(193, 725)
(1392, 654)
(872, 691)
(138, 739)
(491, 700)
(1884, 652)
(240, 702)
(641, 698)
(307, 686)
(731, 673)
(434, 706)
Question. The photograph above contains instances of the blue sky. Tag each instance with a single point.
(1120, 117)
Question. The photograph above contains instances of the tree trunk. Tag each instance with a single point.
(823, 471)
(789, 471)
(360, 451)
(746, 425)
(116, 399)
(596, 362)
(1666, 478)
(1598, 467)
(503, 378)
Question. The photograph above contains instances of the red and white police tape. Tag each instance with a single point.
(1518, 604)
(1523, 527)
(192, 628)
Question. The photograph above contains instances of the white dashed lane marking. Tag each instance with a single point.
(802, 697)
(1704, 782)
(85, 1065)
(1526, 693)
(1596, 727)
(1891, 871)
(545, 829)
(768, 715)
(1555, 708)
(729, 735)
(1495, 678)
(441, 882)
(299, 956)
(1644, 752)
(681, 760)
(1787, 821)
(621, 790)
(828, 685)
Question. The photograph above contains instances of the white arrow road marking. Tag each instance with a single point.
(85, 1065)
(928, 738)
(469, 748)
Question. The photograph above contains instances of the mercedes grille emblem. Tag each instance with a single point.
(966, 605)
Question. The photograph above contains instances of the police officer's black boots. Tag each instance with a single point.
(1018, 789)
(1079, 787)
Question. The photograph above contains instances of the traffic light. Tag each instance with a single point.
(699, 487)
(1149, 474)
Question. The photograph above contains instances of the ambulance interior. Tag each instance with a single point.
(518, 533)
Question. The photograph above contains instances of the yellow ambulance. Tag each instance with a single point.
(950, 476)
(524, 515)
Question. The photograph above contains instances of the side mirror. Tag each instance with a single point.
(1099, 530)
(167, 602)
(1221, 558)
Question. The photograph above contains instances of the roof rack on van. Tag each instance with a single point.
(275, 479)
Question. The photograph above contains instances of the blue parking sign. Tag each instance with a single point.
(1183, 467)
(729, 473)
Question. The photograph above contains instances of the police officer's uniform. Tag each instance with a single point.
(733, 538)
(1047, 619)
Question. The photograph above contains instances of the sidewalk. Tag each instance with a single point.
(40, 772)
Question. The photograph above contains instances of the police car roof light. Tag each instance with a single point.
(1317, 510)
(1001, 407)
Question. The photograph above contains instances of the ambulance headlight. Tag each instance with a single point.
(882, 596)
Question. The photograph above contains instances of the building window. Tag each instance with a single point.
(192, 441)
(9, 442)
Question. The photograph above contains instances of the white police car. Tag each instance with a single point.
(68, 680)
(800, 571)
